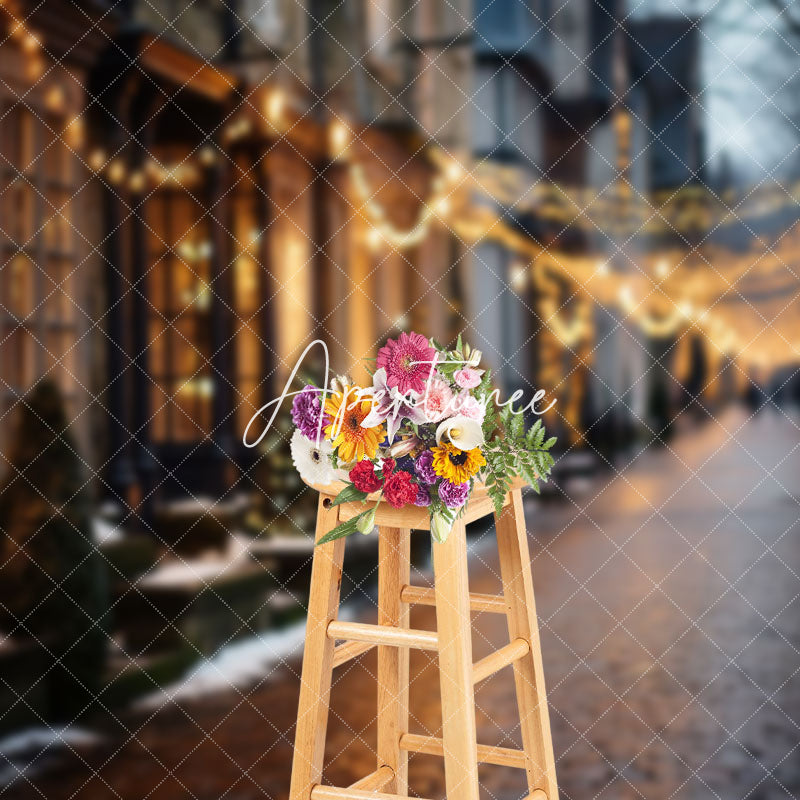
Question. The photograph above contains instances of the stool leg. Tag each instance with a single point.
(394, 572)
(455, 665)
(515, 569)
(315, 680)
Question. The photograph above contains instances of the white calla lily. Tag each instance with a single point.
(440, 528)
(462, 432)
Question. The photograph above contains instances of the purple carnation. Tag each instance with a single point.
(423, 466)
(306, 412)
(423, 497)
(454, 495)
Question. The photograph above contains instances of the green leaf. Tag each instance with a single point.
(517, 423)
(344, 529)
(348, 495)
(549, 443)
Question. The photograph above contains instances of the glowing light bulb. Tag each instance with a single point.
(275, 106)
(116, 171)
(519, 273)
(453, 171)
(374, 238)
(626, 298)
(96, 160)
(136, 182)
(662, 268)
(339, 138)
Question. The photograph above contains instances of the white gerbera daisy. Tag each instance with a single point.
(312, 462)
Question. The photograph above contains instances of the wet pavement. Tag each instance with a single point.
(668, 598)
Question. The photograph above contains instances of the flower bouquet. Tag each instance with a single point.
(428, 429)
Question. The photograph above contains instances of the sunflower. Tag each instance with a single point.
(344, 429)
(454, 465)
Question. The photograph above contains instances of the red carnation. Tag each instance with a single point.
(364, 478)
(388, 466)
(400, 490)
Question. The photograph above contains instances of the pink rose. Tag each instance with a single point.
(468, 378)
(468, 406)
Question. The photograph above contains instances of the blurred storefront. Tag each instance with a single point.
(188, 200)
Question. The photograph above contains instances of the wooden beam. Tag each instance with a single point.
(320, 792)
(487, 754)
(494, 662)
(375, 781)
(423, 596)
(383, 634)
(348, 651)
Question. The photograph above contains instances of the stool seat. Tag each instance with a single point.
(416, 518)
(451, 644)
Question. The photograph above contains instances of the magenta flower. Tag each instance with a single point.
(453, 495)
(408, 362)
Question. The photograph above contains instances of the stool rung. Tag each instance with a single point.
(320, 792)
(421, 595)
(538, 794)
(383, 634)
(487, 754)
(349, 650)
(494, 662)
(375, 781)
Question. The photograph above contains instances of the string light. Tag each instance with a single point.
(207, 155)
(519, 276)
(116, 171)
(339, 139)
(137, 181)
(97, 159)
(275, 106)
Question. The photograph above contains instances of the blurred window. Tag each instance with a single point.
(266, 20)
(380, 28)
(179, 306)
(249, 295)
(39, 313)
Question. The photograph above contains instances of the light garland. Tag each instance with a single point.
(438, 206)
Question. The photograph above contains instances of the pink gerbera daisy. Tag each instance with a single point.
(408, 362)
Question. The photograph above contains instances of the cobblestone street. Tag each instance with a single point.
(668, 598)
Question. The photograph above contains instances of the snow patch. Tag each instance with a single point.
(239, 665)
(26, 751)
(105, 532)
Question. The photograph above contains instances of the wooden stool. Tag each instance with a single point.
(452, 641)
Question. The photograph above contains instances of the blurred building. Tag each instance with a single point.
(191, 194)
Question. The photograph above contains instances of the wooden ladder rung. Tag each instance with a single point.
(383, 634)
(375, 781)
(421, 595)
(494, 662)
(320, 792)
(487, 754)
(343, 653)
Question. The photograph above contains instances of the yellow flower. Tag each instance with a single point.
(347, 412)
(457, 466)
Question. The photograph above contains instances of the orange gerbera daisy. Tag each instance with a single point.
(347, 412)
